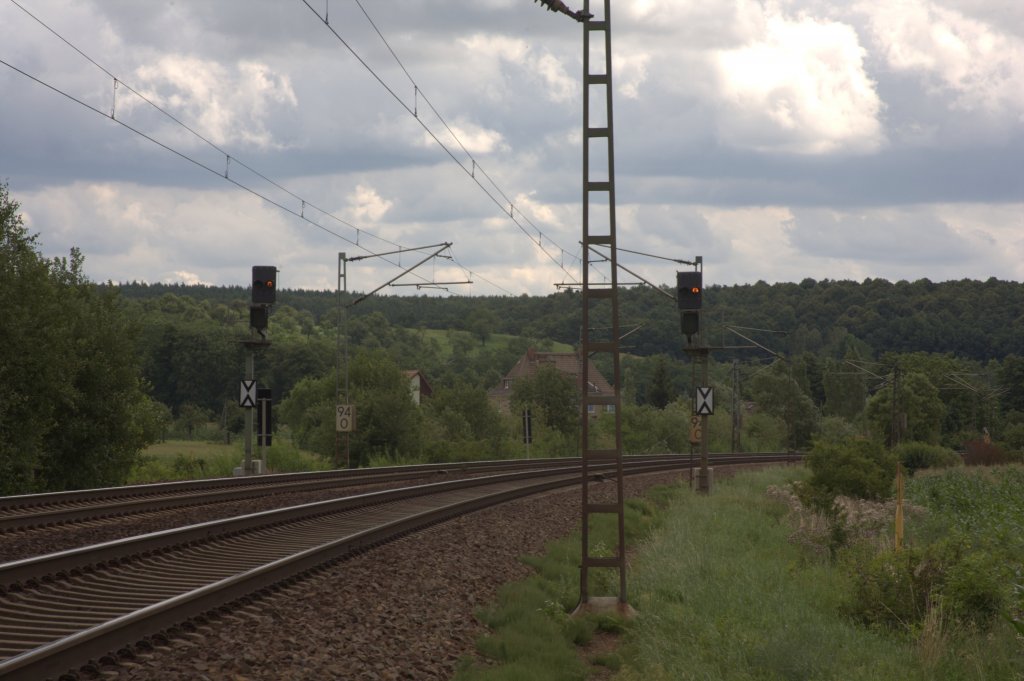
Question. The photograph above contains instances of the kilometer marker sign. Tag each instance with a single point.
(345, 418)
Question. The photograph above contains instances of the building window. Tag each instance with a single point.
(590, 409)
(506, 383)
(610, 409)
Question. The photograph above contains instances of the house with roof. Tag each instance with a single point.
(568, 363)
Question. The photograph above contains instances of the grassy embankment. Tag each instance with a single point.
(723, 594)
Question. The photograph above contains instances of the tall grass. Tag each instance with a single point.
(191, 459)
(723, 595)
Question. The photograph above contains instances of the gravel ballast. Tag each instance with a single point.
(404, 610)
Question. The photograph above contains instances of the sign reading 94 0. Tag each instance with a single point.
(345, 418)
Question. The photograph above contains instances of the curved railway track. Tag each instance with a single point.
(38, 510)
(59, 610)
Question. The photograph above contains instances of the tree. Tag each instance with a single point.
(308, 411)
(36, 347)
(387, 420)
(779, 395)
(73, 411)
(845, 389)
(193, 361)
(857, 468)
(192, 417)
(466, 414)
(919, 410)
(482, 322)
(1011, 381)
(660, 391)
(552, 394)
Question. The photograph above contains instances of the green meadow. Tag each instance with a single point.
(192, 459)
(727, 588)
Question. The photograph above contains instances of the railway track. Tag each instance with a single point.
(59, 610)
(58, 508)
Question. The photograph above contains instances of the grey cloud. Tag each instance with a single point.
(345, 129)
(912, 238)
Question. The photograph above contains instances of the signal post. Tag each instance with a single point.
(689, 298)
(264, 294)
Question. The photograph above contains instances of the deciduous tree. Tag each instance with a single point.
(73, 410)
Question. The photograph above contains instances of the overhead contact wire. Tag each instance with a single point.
(228, 158)
(415, 114)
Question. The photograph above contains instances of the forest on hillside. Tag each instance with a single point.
(814, 355)
(93, 373)
(977, 320)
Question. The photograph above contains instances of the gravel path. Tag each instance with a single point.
(404, 610)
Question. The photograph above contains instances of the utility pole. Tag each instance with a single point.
(600, 301)
(600, 308)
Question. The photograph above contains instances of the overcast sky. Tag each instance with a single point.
(779, 140)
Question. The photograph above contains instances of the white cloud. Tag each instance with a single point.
(188, 278)
(366, 204)
(630, 72)
(698, 24)
(538, 212)
(128, 231)
(800, 87)
(474, 138)
(489, 52)
(981, 64)
(230, 104)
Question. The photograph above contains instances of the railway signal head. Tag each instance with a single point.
(264, 284)
(689, 290)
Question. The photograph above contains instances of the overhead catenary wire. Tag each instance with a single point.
(198, 163)
(118, 82)
(228, 158)
(503, 202)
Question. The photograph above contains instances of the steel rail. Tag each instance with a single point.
(19, 571)
(40, 510)
(163, 597)
(26, 511)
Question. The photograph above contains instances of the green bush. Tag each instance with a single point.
(977, 588)
(895, 589)
(1013, 436)
(917, 455)
(889, 589)
(188, 467)
(861, 469)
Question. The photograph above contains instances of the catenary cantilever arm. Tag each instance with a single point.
(559, 6)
